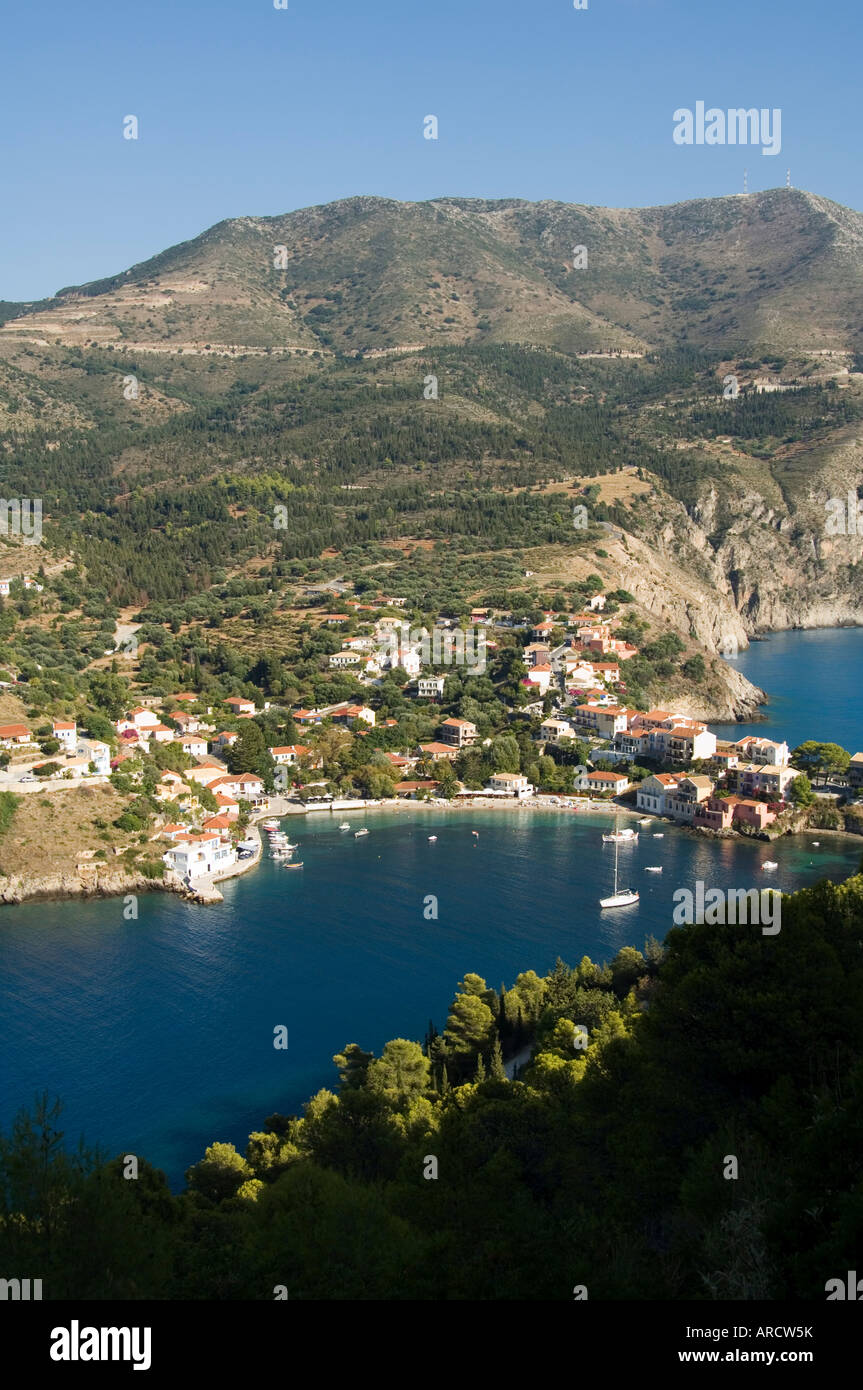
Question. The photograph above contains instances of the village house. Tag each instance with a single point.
(542, 631)
(226, 739)
(194, 745)
(512, 783)
(680, 740)
(437, 751)
(409, 790)
(239, 705)
(336, 619)
(139, 719)
(95, 752)
(632, 743)
(401, 762)
(654, 790)
(458, 731)
(14, 734)
(205, 774)
(614, 782)
(66, 733)
(604, 720)
(553, 730)
(539, 676)
(341, 660)
(762, 750)
(349, 714)
(194, 855)
(725, 813)
(246, 786)
(537, 653)
(186, 723)
(430, 687)
(160, 733)
(690, 792)
(769, 779)
(289, 754)
(171, 787)
(228, 806)
(855, 770)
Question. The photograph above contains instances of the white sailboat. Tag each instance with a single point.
(621, 897)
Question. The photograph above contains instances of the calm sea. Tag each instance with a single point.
(158, 1033)
(813, 680)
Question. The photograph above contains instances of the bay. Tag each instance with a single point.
(158, 1033)
(813, 679)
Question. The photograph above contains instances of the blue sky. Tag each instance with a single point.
(245, 109)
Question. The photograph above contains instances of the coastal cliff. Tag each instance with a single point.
(87, 881)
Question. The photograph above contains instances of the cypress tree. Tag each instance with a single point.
(496, 1070)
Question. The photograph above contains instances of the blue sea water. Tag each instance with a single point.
(158, 1033)
(813, 680)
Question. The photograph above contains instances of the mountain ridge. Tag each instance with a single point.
(776, 270)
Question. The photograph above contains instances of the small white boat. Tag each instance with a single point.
(770, 864)
(659, 836)
(345, 825)
(358, 833)
(653, 868)
(646, 820)
(270, 824)
(815, 844)
(432, 839)
(298, 865)
(621, 897)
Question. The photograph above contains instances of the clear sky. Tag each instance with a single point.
(246, 109)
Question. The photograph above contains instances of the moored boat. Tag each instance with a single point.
(358, 833)
(621, 897)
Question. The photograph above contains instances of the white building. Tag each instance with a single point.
(196, 854)
(430, 687)
(66, 733)
(512, 782)
(95, 752)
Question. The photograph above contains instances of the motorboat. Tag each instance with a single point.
(659, 836)
(432, 839)
(646, 820)
(770, 864)
(653, 868)
(270, 824)
(358, 833)
(297, 865)
(345, 825)
(621, 897)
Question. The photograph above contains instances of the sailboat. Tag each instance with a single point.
(621, 897)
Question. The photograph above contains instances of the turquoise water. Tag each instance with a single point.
(813, 680)
(158, 1033)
